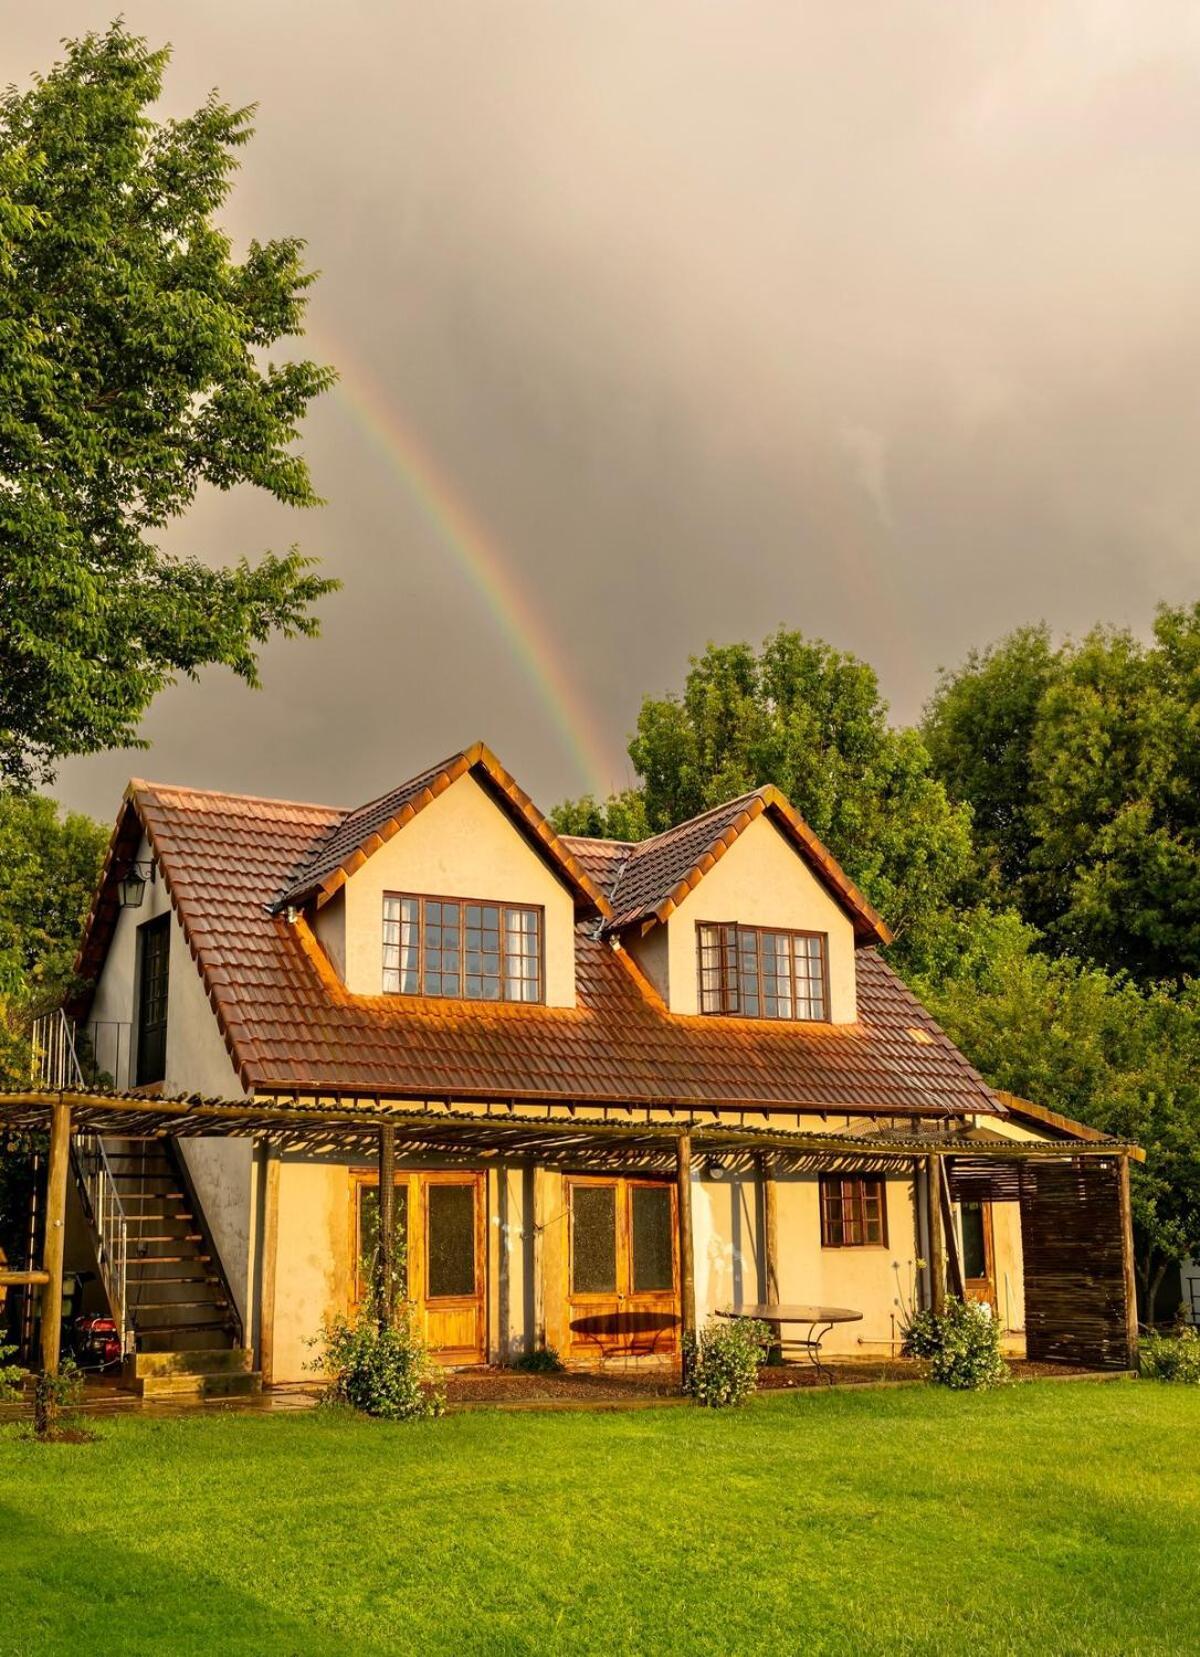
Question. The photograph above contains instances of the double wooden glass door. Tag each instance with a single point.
(623, 1268)
(440, 1225)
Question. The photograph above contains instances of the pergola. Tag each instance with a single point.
(1073, 1191)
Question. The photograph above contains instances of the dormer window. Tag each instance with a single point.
(761, 972)
(468, 949)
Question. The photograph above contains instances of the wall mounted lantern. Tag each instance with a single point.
(132, 887)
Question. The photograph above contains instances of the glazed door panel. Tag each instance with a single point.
(979, 1271)
(623, 1268)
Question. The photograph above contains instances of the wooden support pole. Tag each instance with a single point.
(56, 1228)
(270, 1266)
(387, 1224)
(766, 1165)
(1125, 1210)
(687, 1265)
(937, 1236)
(954, 1269)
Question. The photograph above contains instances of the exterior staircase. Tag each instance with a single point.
(183, 1331)
(180, 1329)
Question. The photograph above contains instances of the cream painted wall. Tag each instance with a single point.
(197, 1062)
(460, 846)
(871, 1280)
(726, 1233)
(760, 881)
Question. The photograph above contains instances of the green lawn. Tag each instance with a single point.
(1048, 1517)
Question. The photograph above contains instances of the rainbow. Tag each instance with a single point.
(481, 559)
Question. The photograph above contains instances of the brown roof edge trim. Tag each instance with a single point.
(1047, 1118)
(512, 799)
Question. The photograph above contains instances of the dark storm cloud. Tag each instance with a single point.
(879, 320)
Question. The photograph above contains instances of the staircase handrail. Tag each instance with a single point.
(102, 1204)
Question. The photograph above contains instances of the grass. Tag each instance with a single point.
(1047, 1517)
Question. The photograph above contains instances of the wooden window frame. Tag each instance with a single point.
(728, 967)
(504, 909)
(834, 1235)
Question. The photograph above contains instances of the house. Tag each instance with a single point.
(613, 1087)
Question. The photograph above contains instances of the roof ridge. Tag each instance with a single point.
(694, 822)
(144, 783)
(407, 782)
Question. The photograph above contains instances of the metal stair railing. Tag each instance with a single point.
(103, 1206)
(56, 1065)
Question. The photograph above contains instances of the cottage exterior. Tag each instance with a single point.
(620, 1086)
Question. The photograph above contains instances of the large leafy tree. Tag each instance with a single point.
(50, 865)
(810, 719)
(1082, 765)
(132, 371)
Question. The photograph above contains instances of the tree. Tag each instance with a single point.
(811, 720)
(51, 866)
(1097, 1047)
(132, 372)
(979, 728)
(1082, 766)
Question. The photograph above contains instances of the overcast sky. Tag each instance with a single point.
(878, 320)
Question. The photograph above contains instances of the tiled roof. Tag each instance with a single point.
(646, 881)
(353, 835)
(290, 1025)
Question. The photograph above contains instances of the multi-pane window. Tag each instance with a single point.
(448, 946)
(853, 1211)
(762, 973)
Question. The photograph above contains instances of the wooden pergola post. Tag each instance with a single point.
(56, 1229)
(954, 1267)
(1125, 1211)
(387, 1224)
(687, 1264)
(770, 1193)
(937, 1235)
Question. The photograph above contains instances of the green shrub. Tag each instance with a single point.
(1171, 1357)
(961, 1345)
(543, 1360)
(11, 1376)
(384, 1371)
(721, 1363)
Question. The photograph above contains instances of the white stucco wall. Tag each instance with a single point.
(760, 881)
(460, 846)
(197, 1061)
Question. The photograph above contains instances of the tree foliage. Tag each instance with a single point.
(1095, 1046)
(1082, 766)
(132, 372)
(811, 720)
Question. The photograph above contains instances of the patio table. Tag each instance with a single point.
(816, 1320)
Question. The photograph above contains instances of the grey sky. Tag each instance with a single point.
(881, 320)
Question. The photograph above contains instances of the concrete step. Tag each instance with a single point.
(197, 1386)
(237, 1360)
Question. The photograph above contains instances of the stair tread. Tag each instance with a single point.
(176, 1305)
(188, 1237)
(166, 1259)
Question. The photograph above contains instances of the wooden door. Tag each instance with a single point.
(623, 1268)
(448, 1279)
(978, 1253)
(440, 1225)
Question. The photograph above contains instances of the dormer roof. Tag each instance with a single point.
(350, 841)
(650, 879)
